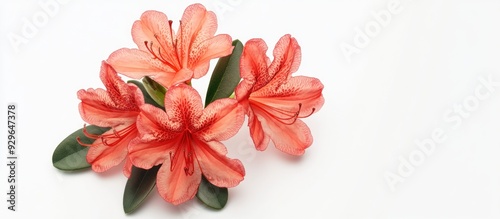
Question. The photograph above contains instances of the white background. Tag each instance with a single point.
(397, 89)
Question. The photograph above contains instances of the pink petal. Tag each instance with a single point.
(220, 120)
(103, 157)
(183, 105)
(154, 124)
(135, 63)
(215, 47)
(98, 108)
(253, 64)
(127, 168)
(175, 186)
(259, 137)
(292, 139)
(154, 27)
(197, 25)
(117, 105)
(287, 57)
(216, 167)
(167, 80)
(145, 154)
(243, 91)
(306, 91)
(125, 96)
(138, 95)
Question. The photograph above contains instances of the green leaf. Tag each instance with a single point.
(226, 75)
(213, 196)
(155, 90)
(139, 185)
(147, 98)
(70, 155)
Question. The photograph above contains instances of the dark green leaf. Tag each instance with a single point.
(213, 196)
(226, 75)
(147, 97)
(70, 155)
(155, 90)
(138, 187)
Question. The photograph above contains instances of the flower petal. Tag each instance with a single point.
(216, 167)
(135, 63)
(254, 62)
(155, 125)
(306, 91)
(167, 80)
(127, 168)
(220, 120)
(117, 105)
(215, 47)
(145, 154)
(183, 106)
(259, 137)
(125, 96)
(287, 57)
(138, 96)
(153, 32)
(98, 108)
(243, 91)
(292, 139)
(175, 186)
(197, 25)
(103, 157)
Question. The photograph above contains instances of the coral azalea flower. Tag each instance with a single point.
(169, 58)
(185, 139)
(116, 107)
(274, 100)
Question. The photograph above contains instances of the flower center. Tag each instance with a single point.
(185, 149)
(111, 139)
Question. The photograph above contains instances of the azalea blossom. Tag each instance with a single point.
(274, 100)
(185, 139)
(171, 58)
(116, 107)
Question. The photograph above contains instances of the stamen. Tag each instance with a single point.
(87, 134)
(188, 157)
(186, 149)
(81, 143)
(159, 56)
(171, 162)
(117, 136)
(281, 115)
(312, 111)
(284, 116)
(107, 139)
(149, 46)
